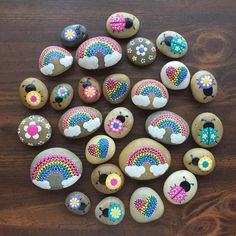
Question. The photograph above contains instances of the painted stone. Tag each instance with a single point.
(54, 61)
(167, 127)
(144, 159)
(78, 203)
(61, 96)
(207, 130)
(199, 161)
(122, 25)
(34, 130)
(172, 44)
(175, 75)
(180, 187)
(149, 94)
(204, 86)
(145, 205)
(141, 51)
(110, 211)
(98, 53)
(107, 178)
(55, 168)
(100, 149)
(116, 88)
(33, 93)
(79, 122)
(118, 122)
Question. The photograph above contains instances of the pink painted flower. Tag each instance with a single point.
(116, 126)
(129, 50)
(32, 130)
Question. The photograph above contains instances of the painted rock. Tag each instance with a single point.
(78, 203)
(73, 35)
(100, 149)
(144, 159)
(122, 25)
(204, 86)
(172, 44)
(61, 96)
(141, 51)
(107, 178)
(34, 130)
(79, 122)
(175, 75)
(149, 94)
(116, 88)
(98, 53)
(199, 161)
(33, 93)
(110, 211)
(55, 168)
(118, 122)
(89, 89)
(180, 187)
(167, 127)
(54, 61)
(207, 130)
(145, 205)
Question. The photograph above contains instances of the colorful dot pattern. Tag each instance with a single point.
(100, 150)
(178, 45)
(177, 194)
(117, 23)
(176, 75)
(146, 207)
(208, 136)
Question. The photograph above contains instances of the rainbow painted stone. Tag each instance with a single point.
(98, 53)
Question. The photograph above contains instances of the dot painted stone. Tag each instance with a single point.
(116, 88)
(149, 94)
(98, 53)
(33, 93)
(118, 122)
(180, 187)
(107, 178)
(141, 51)
(89, 89)
(54, 61)
(55, 168)
(110, 211)
(77, 203)
(204, 86)
(79, 122)
(167, 127)
(122, 25)
(199, 161)
(175, 75)
(34, 130)
(207, 130)
(61, 96)
(144, 159)
(145, 205)
(73, 35)
(100, 149)
(172, 44)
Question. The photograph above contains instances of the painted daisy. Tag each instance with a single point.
(134, 58)
(90, 92)
(113, 181)
(32, 130)
(115, 212)
(75, 202)
(205, 81)
(129, 50)
(62, 91)
(70, 34)
(116, 126)
(33, 98)
(141, 50)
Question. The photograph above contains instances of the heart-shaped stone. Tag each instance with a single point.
(146, 207)
(100, 149)
(176, 75)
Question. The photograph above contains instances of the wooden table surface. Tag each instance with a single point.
(27, 27)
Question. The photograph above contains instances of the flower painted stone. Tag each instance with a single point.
(98, 53)
(118, 122)
(116, 88)
(180, 187)
(149, 94)
(55, 168)
(207, 130)
(79, 122)
(141, 51)
(144, 159)
(34, 130)
(54, 61)
(175, 75)
(145, 205)
(100, 149)
(172, 44)
(167, 127)
(33, 93)
(122, 25)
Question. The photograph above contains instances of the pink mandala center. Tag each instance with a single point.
(116, 126)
